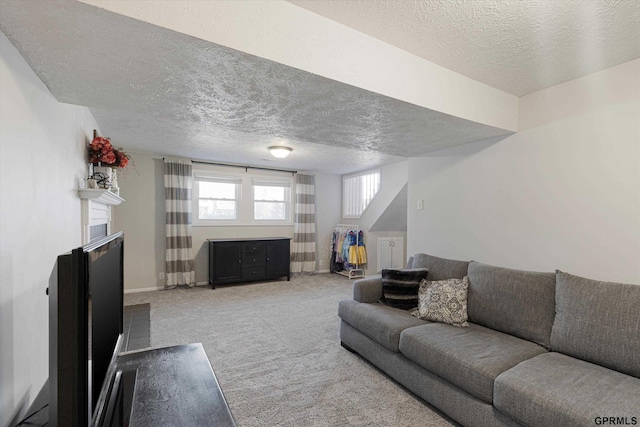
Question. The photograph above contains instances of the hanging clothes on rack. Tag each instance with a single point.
(348, 252)
(336, 264)
(357, 250)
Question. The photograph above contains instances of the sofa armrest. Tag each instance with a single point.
(368, 290)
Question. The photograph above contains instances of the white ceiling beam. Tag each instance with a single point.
(284, 33)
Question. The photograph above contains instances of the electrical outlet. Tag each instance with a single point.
(161, 276)
(321, 262)
(420, 204)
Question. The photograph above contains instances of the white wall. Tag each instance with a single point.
(328, 206)
(141, 218)
(42, 153)
(564, 193)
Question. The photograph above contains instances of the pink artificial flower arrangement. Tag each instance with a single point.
(101, 152)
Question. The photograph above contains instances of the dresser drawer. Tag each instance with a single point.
(253, 273)
(253, 248)
(252, 260)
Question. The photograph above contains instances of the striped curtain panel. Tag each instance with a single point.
(303, 251)
(178, 186)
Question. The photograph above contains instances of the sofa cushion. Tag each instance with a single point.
(410, 262)
(441, 268)
(557, 390)
(379, 322)
(598, 322)
(470, 358)
(443, 301)
(400, 287)
(520, 303)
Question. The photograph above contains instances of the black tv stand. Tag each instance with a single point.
(169, 386)
(175, 386)
(120, 404)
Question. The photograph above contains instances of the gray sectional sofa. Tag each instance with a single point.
(541, 349)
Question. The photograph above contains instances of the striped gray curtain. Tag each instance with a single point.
(303, 251)
(178, 186)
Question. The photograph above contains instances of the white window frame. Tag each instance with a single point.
(272, 182)
(245, 201)
(200, 176)
(350, 191)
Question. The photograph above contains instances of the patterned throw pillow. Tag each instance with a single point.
(443, 301)
(400, 287)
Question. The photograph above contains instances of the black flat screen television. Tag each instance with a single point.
(85, 330)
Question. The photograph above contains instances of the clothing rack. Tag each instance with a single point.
(356, 272)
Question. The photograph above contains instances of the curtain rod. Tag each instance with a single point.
(246, 167)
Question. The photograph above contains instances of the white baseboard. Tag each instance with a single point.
(323, 271)
(158, 288)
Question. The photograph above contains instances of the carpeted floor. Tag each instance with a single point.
(275, 349)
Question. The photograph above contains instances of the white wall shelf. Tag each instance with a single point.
(105, 197)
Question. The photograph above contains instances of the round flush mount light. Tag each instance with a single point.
(280, 151)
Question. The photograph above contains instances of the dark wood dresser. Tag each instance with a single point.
(248, 260)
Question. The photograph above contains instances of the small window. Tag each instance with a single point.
(271, 200)
(357, 193)
(218, 198)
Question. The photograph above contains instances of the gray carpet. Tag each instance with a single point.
(275, 349)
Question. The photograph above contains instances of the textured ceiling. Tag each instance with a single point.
(518, 46)
(159, 91)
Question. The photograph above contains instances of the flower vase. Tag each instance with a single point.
(102, 175)
(114, 182)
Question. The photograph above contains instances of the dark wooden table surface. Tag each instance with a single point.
(176, 386)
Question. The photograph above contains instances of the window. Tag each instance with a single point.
(233, 198)
(217, 198)
(271, 200)
(358, 191)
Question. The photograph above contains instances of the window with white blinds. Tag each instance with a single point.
(357, 193)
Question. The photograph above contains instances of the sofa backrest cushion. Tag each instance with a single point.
(400, 287)
(440, 268)
(598, 322)
(410, 263)
(516, 302)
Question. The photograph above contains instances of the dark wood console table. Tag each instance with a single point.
(175, 386)
(170, 386)
(248, 260)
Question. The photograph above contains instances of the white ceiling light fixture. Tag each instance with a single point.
(280, 151)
